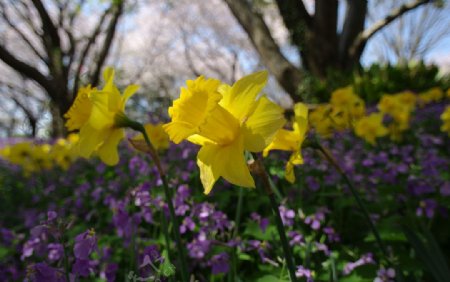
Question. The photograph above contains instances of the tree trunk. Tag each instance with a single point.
(57, 124)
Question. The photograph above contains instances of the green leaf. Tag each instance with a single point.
(167, 269)
(3, 253)
(429, 252)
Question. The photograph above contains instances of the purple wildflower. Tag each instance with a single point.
(304, 272)
(365, 259)
(219, 263)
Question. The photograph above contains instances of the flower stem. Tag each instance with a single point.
(168, 195)
(237, 221)
(359, 201)
(260, 170)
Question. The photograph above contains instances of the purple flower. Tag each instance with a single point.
(51, 215)
(445, 189)
(41, 272)
(199, 247)
(187, 224)
(385, 275)
(110, 272)
(296, 238)
(85, 243)
(365, 259)
(219, 263)
(304, 272)
(315, 220)
(332, 236)
(82, 267)
(287, 215)
(427, 207)
(55, 251)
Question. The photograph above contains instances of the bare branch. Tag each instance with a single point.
(87, 48)
(110, 32)
(286, 73)
(361, 40)
(25, 69)
(47, 24)
(20, 33)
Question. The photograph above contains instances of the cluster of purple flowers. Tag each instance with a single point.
(48, 220)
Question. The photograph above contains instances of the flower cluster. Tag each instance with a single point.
(225, 121)
(33, 157)
(99, 116)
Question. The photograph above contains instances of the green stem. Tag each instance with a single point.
(166, 237)
(279, 223)
(168, 195)
(237, 221)
(358, 199)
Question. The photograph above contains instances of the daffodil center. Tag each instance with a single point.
(220, 126)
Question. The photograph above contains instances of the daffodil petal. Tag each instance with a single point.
(108, 150)
(179, 130)
(284, 140)
(239, 99)
(262, 125)
(199, 140)
(289, 173)
(129, 91)
(226, 161)
(100, 117)
(301, 118)
(210, 170)
(90, 139)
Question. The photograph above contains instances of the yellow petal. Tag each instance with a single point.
(101, 117)
(129, 91)
(226, 161)
(108, 150)
(199, 140)
(179, 130)
(90, 139)
(284, 140)
(262, 125)
(239, 99)
(301, 118)
(289, 173)
(79, 112)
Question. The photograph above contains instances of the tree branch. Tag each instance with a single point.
(355, 17)
(20, 33)
(47, 23)
(361, 40)
(26, 70)
(296, 18)
(86, 50)
(110, 32)
(287, 75)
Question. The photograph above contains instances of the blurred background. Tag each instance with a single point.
(49, 48)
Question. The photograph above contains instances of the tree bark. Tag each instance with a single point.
(288, 75)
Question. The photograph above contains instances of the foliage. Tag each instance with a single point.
(372, 82)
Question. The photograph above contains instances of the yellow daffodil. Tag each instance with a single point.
(393, 106)
(347, 104)
(158, 137)
(371, 127)
(445, 117)
(291, 140)
(226, 121)
(434, 94)
(320, 120)
(99, 115)
(62, 151)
